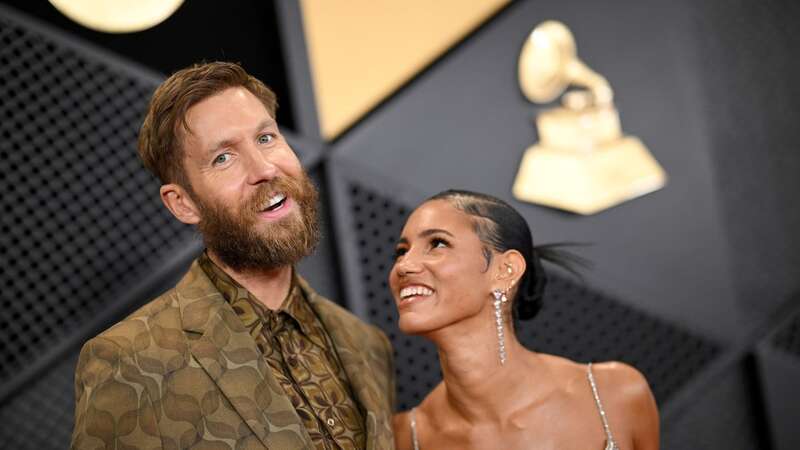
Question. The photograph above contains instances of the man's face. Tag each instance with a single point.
(257, 208)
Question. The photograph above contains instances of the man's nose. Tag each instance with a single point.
(259, 167)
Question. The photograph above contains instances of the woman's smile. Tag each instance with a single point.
(412, 293)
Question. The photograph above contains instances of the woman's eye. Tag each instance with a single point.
(398, 252)
(265, 138)
(221, 159)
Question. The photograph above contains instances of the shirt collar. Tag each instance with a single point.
(254, 314)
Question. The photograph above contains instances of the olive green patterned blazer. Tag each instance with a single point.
(184, 372)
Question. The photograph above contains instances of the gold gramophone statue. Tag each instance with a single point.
(583, 162)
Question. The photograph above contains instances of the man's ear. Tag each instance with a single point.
(180, 204)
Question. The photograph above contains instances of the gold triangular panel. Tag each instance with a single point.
(361, 51)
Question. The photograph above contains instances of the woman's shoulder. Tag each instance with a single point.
(628, 401)
(613, 377)
(401, 421)
(623, 391)
(622, 384)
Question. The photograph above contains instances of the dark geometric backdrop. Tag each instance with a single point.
(696, 285)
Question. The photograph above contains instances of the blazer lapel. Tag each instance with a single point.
(229, 355)
(348, 340)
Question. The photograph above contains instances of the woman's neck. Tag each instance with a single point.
(476, 386)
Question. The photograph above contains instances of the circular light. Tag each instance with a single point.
(117, 16)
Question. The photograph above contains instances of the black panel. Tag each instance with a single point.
(81, 219)
(778, 356)
(747, 56)
(779, 373)
(320, 269)
(41, 417)
(244, 31)
(576, 322)
(787, 338)
(727, 415)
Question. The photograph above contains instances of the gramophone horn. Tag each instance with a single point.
(548, 64)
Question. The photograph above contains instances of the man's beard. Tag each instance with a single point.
(241, 240)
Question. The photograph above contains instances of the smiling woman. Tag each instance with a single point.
(466, 273)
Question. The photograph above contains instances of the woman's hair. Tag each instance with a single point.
(500, 227)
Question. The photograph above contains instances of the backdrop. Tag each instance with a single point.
(697, 285)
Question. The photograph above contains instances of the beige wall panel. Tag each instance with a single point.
(361, 51)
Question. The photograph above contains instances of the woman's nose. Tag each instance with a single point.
(407, 266)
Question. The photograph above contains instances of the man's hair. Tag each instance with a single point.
(164, 128)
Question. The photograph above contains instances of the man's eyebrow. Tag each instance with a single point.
(221, 144)
(266, 123)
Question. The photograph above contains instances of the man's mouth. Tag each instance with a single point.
(275, 202)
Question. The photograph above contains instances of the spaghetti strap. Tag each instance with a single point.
(610, 443)
(414, 438)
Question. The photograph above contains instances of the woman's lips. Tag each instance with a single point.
(414, 293)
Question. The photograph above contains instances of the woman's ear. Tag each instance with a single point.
(180, 204)
(512, 267)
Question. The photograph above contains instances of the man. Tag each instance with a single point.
(242, 353)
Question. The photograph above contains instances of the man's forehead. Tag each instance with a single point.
(223, 115)
(221, 105)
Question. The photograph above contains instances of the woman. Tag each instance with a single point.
(465, 272)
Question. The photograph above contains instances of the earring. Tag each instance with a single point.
(499, 299)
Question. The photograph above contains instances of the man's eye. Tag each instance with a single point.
(265, 138)
(221, 159)
(439, 243)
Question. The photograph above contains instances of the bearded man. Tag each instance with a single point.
(241, 353)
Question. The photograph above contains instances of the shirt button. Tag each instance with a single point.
(331, 422)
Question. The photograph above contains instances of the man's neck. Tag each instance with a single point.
(270, 286)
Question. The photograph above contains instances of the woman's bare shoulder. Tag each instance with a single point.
(401, 421)
(622, 380)
(626, 396)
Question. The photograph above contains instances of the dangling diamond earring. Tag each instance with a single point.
(499, 299)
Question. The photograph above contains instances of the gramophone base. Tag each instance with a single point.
(590, 181)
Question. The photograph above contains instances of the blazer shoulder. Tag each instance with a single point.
(162, 311)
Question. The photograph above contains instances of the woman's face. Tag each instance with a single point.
(440, 275)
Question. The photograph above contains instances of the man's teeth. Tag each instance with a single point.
(415, 290)
(275, 199)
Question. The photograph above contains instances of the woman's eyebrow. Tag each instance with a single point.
(430, 231)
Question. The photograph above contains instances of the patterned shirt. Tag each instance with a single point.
(303, 360)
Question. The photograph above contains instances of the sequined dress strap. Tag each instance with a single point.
(414, 438)
(610, 443)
